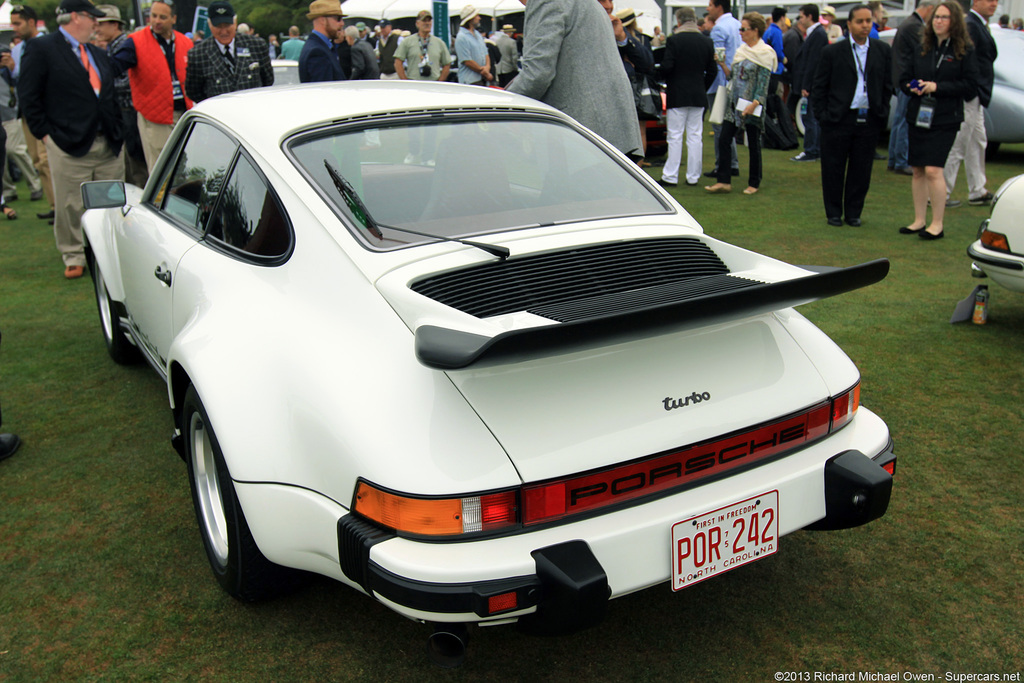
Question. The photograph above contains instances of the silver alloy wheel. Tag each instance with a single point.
(208, 489)
(103, 304)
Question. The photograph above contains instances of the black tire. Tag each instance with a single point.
(236, 561)
(119, 347)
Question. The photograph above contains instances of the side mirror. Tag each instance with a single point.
(103, 194)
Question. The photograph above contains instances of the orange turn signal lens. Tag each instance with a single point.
(995, 240)
(436, 516)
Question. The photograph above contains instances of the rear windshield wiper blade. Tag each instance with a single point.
(362, 214)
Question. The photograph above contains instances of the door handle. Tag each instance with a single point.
(163, 274)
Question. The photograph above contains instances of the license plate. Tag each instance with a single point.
(723, 539)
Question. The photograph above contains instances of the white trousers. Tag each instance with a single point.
(969, 147)
(688, 120)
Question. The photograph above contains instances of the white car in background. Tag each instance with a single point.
(448, 347)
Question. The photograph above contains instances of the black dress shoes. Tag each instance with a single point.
(836, 222)
(8, 444)
(48, 214)
(853, 222)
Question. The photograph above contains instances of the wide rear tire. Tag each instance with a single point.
(236, 560)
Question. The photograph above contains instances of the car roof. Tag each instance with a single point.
(297, 107)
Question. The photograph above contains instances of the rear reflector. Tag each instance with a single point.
(502, 603)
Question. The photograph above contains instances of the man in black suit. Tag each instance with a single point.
(228, 61)
(972, 140)
(66, 90)
(807, 60)
(689, 68)
(850, 96)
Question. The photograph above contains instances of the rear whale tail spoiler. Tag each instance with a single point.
(447, 349)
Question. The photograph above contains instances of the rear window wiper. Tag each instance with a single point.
(362, 214)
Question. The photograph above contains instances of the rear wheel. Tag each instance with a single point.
(236, 561)
(120, 348)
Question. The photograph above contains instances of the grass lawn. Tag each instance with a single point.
(103, 576)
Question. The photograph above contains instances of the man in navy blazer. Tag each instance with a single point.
(66, 90)
(319, 59)
(850, 96)
(972, 139)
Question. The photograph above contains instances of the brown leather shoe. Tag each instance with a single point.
(74, 272)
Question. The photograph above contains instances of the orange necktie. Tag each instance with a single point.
(94, 78)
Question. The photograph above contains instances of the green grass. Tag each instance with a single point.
(102, 573)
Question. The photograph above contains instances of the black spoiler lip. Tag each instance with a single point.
(446, 349)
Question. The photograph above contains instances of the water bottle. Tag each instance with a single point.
(980, 316)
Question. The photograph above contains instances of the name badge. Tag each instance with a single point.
(926, 112)
(862, 115)
(243, 52)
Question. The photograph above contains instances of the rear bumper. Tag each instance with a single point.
(562, 577)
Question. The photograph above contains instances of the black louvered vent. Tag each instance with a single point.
(586, 282)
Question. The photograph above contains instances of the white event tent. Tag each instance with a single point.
(403, 9)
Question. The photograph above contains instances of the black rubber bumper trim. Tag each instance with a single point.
(993, 260)
(569, 589)
(857, 489)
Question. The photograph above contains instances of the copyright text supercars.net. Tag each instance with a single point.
(951, 676)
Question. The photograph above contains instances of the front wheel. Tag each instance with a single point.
(119, 347)
(236, 561)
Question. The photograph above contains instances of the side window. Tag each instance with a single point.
(198, 175)
(248, 217)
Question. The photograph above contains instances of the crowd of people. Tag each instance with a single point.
(90, 102)
(940, 67)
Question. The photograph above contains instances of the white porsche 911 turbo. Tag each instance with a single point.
(445, 345)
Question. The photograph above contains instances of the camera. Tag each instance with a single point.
(425, 70)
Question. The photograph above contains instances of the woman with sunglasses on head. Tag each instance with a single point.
(940, 77)
(747, 94)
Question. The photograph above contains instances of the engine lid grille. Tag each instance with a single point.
(586, 282)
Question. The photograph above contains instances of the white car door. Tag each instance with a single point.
(155, 235)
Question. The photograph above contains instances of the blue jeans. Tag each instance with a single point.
(898, 144)
(812, 134)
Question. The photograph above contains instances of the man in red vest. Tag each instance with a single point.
(155, 59)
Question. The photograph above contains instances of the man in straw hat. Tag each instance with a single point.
(571, 62)
(319, 59)
(474, 62)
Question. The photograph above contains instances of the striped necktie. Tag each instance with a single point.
(94, 78)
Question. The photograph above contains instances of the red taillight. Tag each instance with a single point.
(554, 500)
(845, 406)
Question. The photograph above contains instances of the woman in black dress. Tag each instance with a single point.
(941, 75)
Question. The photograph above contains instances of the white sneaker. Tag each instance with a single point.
(412, 159)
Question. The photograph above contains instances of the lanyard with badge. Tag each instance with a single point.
(862, 112)
(927, 111)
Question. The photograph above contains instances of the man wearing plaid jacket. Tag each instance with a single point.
(227, 61)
